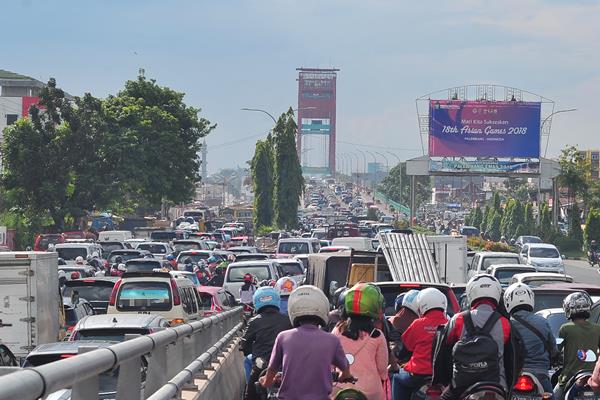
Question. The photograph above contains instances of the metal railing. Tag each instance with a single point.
(175, 356)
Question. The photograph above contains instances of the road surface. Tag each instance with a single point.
(582, 272)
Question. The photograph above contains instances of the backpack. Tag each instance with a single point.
(475, 355)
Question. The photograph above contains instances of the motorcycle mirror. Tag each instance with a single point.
(333, 286)
(559, 340)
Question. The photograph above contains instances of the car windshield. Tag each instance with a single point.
(108, 247)
(531, 239)
(291, 269)
(45, 241)
(142, 266)
(505, 275)
(293, 248)
(556, 320)
(489, 261)
(90, 291)
(545, 281)
(124, 256)
(70, 316)
(236, 274)
(193, 278)
(548, 299)
(543, 252)
(153, 248)
(71, 253)
(206, 301)
(116, 335)
(144, 296)
(195, 257)
(163, 236)
(186, 246)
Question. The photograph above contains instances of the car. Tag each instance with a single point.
(545, 257)
(173, 297)
(108, 247)
(158, 249)
(555, 318)
(334, 249)
(114, 236)
(75, 309)
(534, 279)
(484, 259)
(115, 327)
(189, 244)
(128, 254)
(242, 249)
(96, 290)
(71, 272)
(290, 267)
(195, 255)
(187, 274)
(298, 246)
(469, 231)
(251, 257)
(391, 290)
(526, 239)
(43, 241)
(260, 270)
(143, 265)
(214, 300)
(552, 295)
(70, 251)
(133, 243)
(459, 291)
(505, 272)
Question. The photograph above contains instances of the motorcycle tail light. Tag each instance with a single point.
(524, 384)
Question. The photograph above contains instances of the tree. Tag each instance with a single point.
(497, 202)
(507, 215)
(494, 226)
(396, 186)
(592, 226)
(372, 214)
(261, 168)
(546, 230)
(575, 232)
(574, 172)
(517, 219)
(529, 225)
(486, 217)
(288, 180)
(477, 217)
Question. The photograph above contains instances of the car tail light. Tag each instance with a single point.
(524, 384)
(75, 275)
(67, 355)
(176, 298)
(113, 294)
(177, 321)
(410, 285)
(88, 280)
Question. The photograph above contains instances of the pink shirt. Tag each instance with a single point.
(369, 366)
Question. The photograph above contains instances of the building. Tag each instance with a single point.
(317, 120)
(17, 94)
(593, 157)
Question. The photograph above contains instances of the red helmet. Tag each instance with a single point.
(248, 278)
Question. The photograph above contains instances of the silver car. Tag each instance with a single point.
(114, 327)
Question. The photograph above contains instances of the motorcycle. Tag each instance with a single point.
(428, 391)
(578, 388)
(527, 386)
(484, 391)
(594, 258)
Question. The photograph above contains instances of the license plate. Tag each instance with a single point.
(587, 396)
(526, 397)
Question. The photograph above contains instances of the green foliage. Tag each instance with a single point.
(494, 226)
(529, 225)
(497, 203)
(289, 183)
(486, 217)
(574, 172)
(567, 244)
(396, 186)
(575, 231)
(547, 232)
(592, 226)
(477, 217)
(264, 230)
(261, 168)
(507, 216)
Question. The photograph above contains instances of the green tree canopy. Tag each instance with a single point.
(396, 186)
(261, 168)
(592, 226)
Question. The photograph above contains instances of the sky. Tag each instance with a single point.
(229, 54)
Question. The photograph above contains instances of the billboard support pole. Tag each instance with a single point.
(412, 200)
(555, 203)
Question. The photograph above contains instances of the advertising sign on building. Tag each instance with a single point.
(484, 166)
(484, 129)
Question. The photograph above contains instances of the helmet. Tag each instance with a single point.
(170, 257)
(285, 286)
(95, 254)
(118, 259)
(410, 300)
(502, 237)
(593, 242)
(364, 299)
(577, 303)
(188, 260)
(265, 296)
(248, 278)
(483, 286)
(350, 394)
(518, 294)
(430, 299)
(79, 260)
(212, 259)
(398, 302)
(306, 301)
(121, 267)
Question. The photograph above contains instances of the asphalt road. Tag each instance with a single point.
(582, 272)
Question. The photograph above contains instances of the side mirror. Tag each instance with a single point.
(562, 256)
(333, 286)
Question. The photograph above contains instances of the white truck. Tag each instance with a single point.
(30, 302)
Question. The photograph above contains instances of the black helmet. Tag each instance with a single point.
(188, 260)
(118, 260)
(338, 297)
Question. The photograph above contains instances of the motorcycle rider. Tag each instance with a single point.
(483, 295)
(579, 336)
(593, 252)
(306, 353)
(538, 340)
(365, 346)
(285, 286)
(247, 290)
(407, 310)
(261, 333)
(418, 339)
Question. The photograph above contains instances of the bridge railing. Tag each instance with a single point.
(155, 366)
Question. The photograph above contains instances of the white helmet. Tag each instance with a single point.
(308, 300)
(121, 267)
(79, 260)
(285, 286)
(411, 301)
(431, 298)
(483, 287)
(518, 294)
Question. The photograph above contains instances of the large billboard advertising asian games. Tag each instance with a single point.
(484, 129)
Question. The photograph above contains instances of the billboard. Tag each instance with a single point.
(460, 128)
(484, 166)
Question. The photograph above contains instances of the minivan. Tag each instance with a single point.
(114, 236)
(260, 270)
(175, 298)
(298, 246)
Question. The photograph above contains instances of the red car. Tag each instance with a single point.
(44, 240)
(215, 299)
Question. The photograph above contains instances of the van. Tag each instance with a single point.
(70, 251)
(260, 270)
(173, 297)
(298, 246)
(114, 236)
(357, 243)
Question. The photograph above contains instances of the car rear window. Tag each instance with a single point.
(144, 296)
(206, 301)
(142, 266)
(543, 252)
(236, 274)
(153, 248)
(293, 248)
(117, 335)
(489, 261)
(187, 246)
(505, 275)
(391, 292)
(291, 269)
(70, 316)
(540, 282)
(91, 291)
(126, 256)
(195, 257)
(548, 299)
(160, 236)
(71, 253)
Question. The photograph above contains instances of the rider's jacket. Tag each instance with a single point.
(262, 332)
(537, 359)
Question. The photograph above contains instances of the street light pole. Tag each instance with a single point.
(387, 162)
(547, 119)
(262, 111)
(397, 158)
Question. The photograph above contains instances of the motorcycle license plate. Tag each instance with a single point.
(587, 395)
(526, 397)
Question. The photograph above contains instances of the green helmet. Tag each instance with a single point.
(364, 299)
(350, 394)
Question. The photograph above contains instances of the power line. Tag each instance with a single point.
(379, 147)
(217, 146)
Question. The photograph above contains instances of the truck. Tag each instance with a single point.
(31, 309)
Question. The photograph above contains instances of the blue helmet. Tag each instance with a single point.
(170, 257)
(265, 296)
(410, 301)
(212, 259)
(398, 302)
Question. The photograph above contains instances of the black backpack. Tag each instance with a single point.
(476, 354)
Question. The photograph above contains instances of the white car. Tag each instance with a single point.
(534, 279)
(485, 259)
(158, 249)
(545, 257)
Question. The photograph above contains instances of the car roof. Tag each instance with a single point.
(155, 243)
(143, 260)
(497, 254)
(512, 266)
(411, 284)
(68, 347)
(544, 275)
(242, 248)
(129, 251)
(286, 260)
(541, 245)
(251, 263)
(298, 239)
(107, 279)
(75, 244)
(187, 241)
(118, 321)
(548, 311)
(571, 286)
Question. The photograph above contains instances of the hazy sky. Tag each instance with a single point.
(226, 55)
